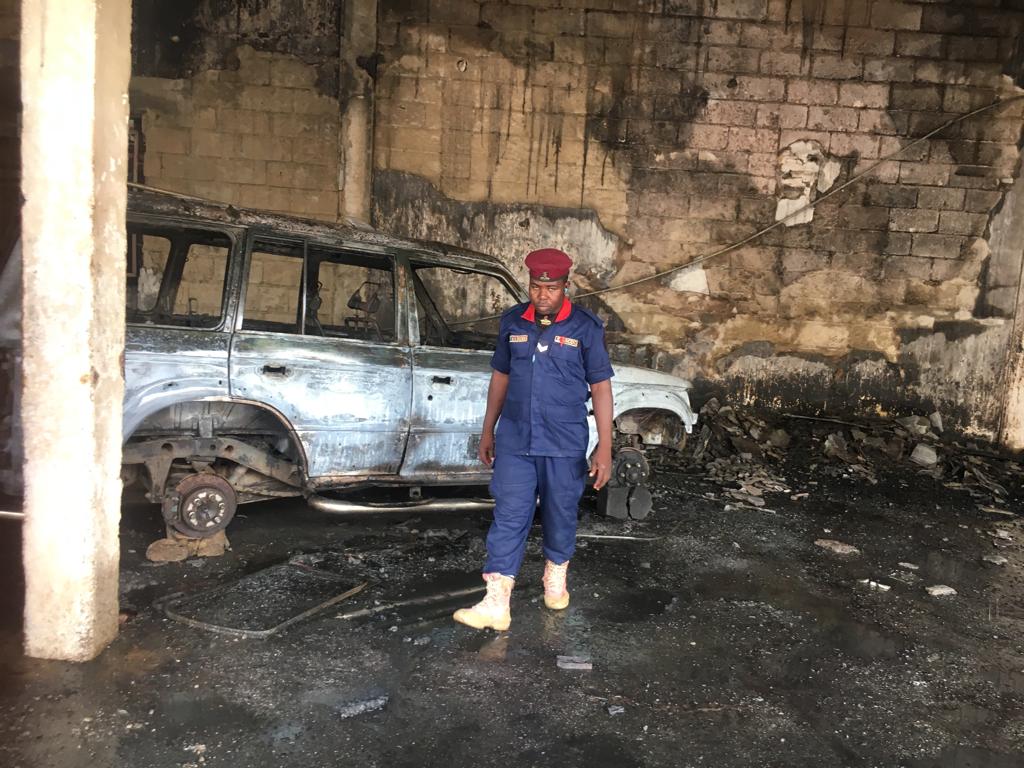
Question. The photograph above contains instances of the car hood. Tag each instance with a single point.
(632, 375)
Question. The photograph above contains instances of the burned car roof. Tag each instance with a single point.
(147, 200)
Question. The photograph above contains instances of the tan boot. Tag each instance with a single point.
(493, 610)
(556, 596)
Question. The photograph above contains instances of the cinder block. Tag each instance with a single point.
(570, 50)
(892, 70)
(966, 98)
(615, 25)
(941, 198)
(265, 98)
(753, 140)
(940, 72)
(832, 119)
(860, 95)
(291, 73)
(172, 141)
(960, 17)
(868, 42)
(812, 92)
(771, 36)
(787, 137)
(268, 147)
(920, 45)
(792, 116)
(863, 217)
(507, 18)
(893, 15)
(215, 144)
(717, 208)
(898, 243)
(715, 32)
(925, 174)
(891, 195)
(254, 66)
(913, 220)
(784, 63)
(735, 113)
(180, 167)
(744, 88)
(753, 10)
(861, 144)
(907, 268)
(916, 97)
(937, 246)
(305, 126)
(827, 66)
(968, 48)
(709, 137)
(963, 223)
(239, 171)
(981, 200)
(465, 12)
(561, 21)
(876, 121)
(243, 121)
(291, 175)
(306, 102)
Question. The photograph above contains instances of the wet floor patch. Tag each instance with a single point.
(262, 603)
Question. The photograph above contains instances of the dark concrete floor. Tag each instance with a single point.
(731, 640)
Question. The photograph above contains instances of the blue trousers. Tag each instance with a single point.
(515, 486)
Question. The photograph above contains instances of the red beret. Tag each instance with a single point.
(548, 264)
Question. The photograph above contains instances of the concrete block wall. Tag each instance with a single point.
(638, 135)
(258, 135)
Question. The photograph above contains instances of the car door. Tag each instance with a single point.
(320, 340)
(457, 312)
(179, 309)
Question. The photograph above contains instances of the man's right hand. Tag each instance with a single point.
(486, 450)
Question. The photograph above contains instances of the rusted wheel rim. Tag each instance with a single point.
(207, 504)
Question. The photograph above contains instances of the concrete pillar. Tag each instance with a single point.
(75, 65)
(359, 42)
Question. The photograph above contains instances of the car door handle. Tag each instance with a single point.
(441, 379)
(275, 370)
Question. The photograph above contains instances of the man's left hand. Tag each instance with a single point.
(601, 466)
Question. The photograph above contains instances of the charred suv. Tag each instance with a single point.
(271, 356)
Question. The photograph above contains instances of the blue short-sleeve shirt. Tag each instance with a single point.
(550, 371)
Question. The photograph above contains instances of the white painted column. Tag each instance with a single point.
(75, 65)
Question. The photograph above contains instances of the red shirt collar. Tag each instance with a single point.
(530, 315)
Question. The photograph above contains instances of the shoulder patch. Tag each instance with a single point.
(589, 315)
(514, 311)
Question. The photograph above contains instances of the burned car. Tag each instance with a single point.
(269, 356)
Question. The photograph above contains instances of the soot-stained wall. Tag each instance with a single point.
(639, 135)
(241, 100)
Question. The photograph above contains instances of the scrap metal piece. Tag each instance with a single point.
(176, 601)
(362, 707)
(343, 507)
(574, 663)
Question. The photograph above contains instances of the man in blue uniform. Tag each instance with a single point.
(550, 359)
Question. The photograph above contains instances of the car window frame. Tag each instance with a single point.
(229, 297)
(413, 260)
(342, 246)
